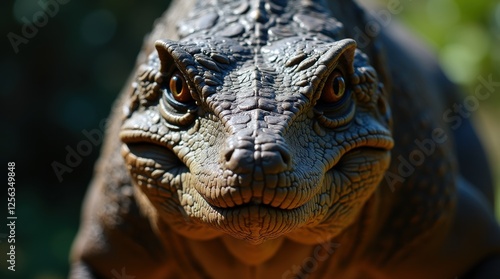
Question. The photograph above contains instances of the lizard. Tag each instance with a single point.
(258, 139)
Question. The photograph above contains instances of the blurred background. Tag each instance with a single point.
(62, 66)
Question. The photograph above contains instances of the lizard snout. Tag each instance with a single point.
(261, 155)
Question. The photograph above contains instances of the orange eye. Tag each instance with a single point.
(334, 88)
(179, 88)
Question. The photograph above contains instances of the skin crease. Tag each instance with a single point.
(262, 171)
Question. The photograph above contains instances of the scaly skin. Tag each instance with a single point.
(264, 167)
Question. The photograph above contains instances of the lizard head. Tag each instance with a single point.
(290, 140)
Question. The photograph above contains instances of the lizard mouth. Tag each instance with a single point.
(298, 186)
(256, 223)
(337, 197)
(149, 160)
(302, 199)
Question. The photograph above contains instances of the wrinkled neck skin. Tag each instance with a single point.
(276, 258)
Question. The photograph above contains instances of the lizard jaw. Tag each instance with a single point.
(256, 222)
(254, 218)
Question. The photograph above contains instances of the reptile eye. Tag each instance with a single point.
(179, 89)
(334, 88)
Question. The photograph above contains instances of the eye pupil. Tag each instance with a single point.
(338, 83)
(334, 88)
(177, 84)
(179, 89)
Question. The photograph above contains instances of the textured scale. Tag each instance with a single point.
(259, 139)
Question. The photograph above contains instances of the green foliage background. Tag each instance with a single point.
(64, 80)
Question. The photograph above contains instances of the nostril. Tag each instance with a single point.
(240, 160)
(237, 149)
(228, 155)
(286, 157)
(242, 155)
(276, 158)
